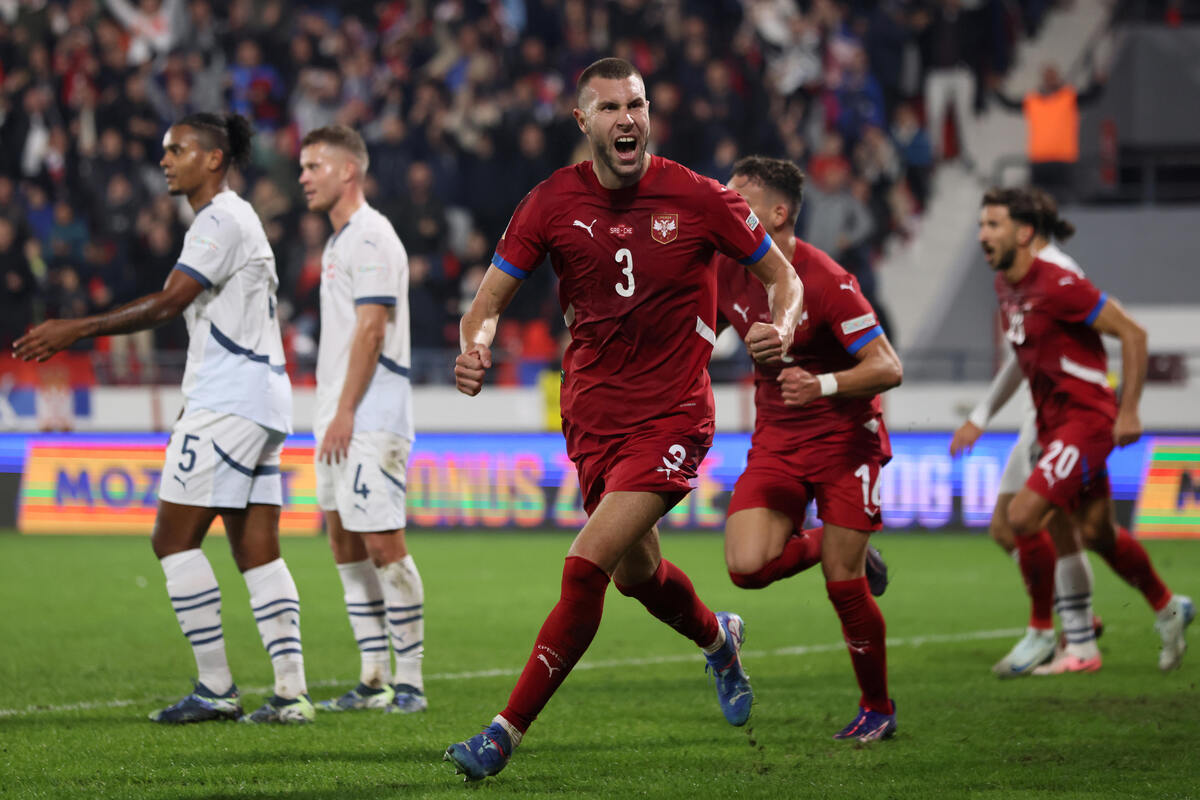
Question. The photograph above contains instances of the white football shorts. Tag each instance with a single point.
(220, 460)
(1021, 459)
(368, 488)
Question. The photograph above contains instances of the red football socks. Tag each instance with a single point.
(1131, 561)
(1036, 557)
(866, 637)
(800, 551)
(561, 642)
(668, 594)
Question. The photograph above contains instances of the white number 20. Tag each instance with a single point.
(624, 255)
(1059, 461)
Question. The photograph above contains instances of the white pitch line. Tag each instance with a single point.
(798, 650)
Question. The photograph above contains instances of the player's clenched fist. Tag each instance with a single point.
(798, 386)
(764, 343)
(469, 369)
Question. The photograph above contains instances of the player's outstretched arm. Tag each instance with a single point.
(1001, 390)
(370, 328)
(878, 369)
(478, 328)
(1114, 320)
(146, 312)
(785, 294)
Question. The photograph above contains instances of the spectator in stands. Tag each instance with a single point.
(1052, 129)
(948, 78)
(432, 355)
(858, 98)
(19, 287)
(419, 216)
(67, 235)
(916, 152)
(878, 165)
(837, 222)
(148, 24)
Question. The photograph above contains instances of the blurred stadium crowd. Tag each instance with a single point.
(465, 107)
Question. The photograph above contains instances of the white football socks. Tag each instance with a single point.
(717, 643)
(276, 606)
(405, 598)
(364, 606)
(1073, 584)
(196, 598)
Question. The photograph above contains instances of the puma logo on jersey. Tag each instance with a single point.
(587, 228)
(1065, 281)
(541, 657)
(849, 287)
(741, 311)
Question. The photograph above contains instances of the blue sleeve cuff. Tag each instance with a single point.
(509, 268)
(1095, 312)
(195, 274)
(861, 342)
(757, 254)
(376, 300)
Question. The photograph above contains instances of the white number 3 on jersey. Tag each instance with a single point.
(624, 255)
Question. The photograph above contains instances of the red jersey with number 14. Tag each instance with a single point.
(1047, 317)
(836, 323)
(636, 285)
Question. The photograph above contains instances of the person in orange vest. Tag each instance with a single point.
(1052, 129)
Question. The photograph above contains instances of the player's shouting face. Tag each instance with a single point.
(1000, 236)
(615, 116)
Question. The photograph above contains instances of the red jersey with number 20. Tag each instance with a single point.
(1047, 317)
(836, 323)
(636, 285)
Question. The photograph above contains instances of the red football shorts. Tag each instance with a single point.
(843, 477)
(1073, 468)
(661, 455)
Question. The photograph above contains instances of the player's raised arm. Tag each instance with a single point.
(1114, 320)
(785, 294)
(146, 312)
(478, 329)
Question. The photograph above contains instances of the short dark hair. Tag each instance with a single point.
(777, 174)
(1020, 204)
(342, 136)
(1050, 225)
(608, 68)
(229, 133)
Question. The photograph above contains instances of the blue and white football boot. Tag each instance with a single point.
(733, 684)
(484, 754)
(201, 705)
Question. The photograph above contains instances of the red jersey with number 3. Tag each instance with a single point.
(1047, 317)
(636, 285)
(836, 323)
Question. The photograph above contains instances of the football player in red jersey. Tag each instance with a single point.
(1053, 319)
(818, 434)
(631, 238)
(1036, 555)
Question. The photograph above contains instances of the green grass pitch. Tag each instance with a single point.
(89, 646)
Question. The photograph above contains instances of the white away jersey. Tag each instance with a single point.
(365, 262)
(235, 355)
